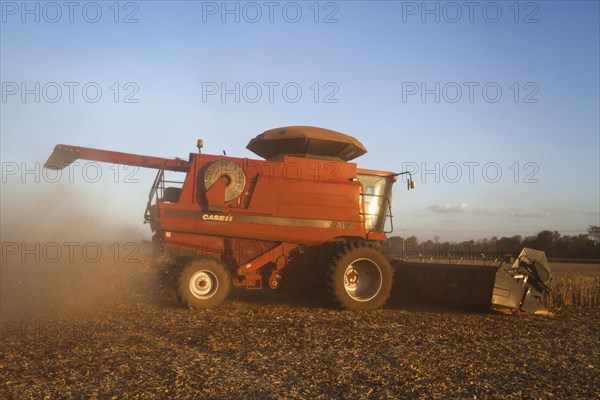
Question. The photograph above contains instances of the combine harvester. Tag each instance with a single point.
(243, 222)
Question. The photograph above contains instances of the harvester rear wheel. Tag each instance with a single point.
(360, 277)
(204, 284)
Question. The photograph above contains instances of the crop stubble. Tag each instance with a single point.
(105, 332)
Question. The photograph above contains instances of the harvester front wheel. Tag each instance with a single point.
(360, 277)
(204, 284)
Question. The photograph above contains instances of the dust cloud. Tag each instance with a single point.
(65, 255)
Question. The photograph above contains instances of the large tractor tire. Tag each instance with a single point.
(204, 284)
(360, 277)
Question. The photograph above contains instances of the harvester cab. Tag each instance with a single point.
(239, 221)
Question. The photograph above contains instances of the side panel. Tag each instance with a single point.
(299, 200)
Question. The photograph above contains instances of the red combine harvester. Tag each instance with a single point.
(238, 221)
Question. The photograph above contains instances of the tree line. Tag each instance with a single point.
(555, 245)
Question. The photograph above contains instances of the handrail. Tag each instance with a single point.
(158, 183)
(157, 193)
(386, 205)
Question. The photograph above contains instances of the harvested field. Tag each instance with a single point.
(104, 331)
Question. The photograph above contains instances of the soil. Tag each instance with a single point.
(132, 341)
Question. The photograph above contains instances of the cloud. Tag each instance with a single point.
(590, 213)
(517, 213)
(462, 208)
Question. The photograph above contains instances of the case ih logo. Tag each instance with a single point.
(218, 218)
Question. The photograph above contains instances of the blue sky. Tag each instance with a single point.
(465, 93)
